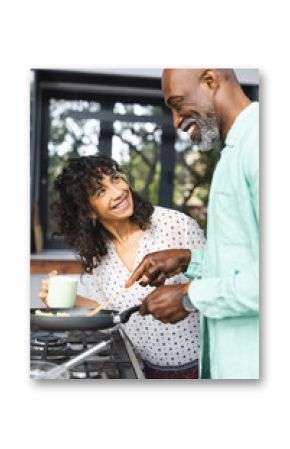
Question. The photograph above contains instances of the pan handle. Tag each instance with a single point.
(125, 315)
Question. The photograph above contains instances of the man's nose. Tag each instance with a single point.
(176, 120)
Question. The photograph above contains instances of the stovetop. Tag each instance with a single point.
(118, 361)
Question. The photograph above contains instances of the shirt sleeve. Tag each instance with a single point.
(231, 296)
(251, 171)
(194, 269)
(197, 241)
(89, 287)
(238, 294)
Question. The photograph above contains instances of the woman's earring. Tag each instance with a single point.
(94, 222)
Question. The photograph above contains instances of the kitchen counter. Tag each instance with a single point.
(64, 261)
(54, 254)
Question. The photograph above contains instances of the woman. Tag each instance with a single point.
(111, 229)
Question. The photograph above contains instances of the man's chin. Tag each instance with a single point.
(202, 148)
(207, 146)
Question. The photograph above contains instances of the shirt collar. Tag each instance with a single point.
(238, 127)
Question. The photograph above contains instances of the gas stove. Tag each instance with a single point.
(116, 361)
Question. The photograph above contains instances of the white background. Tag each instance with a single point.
(131, 34)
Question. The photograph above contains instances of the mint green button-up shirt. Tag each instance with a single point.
(225, 286)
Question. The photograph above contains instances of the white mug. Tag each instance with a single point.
(62, 291)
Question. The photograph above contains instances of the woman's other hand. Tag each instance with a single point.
(80, 300)
(44, 287)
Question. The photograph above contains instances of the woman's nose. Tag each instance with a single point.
(116, 191)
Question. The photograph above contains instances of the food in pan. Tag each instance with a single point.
(92, 313)
(41, 313)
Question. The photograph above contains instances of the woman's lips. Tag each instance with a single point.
(122, 204)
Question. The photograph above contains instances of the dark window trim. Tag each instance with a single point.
(96, 78)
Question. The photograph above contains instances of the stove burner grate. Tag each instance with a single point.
(86, 371)
(48, 346)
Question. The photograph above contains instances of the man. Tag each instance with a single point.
(210, 105)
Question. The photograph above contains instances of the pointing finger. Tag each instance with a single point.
(137, 273)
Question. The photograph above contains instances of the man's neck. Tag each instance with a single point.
(230, 109)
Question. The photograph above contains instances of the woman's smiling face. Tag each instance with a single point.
(112, 199)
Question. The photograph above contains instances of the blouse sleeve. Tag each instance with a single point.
(88, 287)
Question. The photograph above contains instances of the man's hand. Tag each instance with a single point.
(158, 266)
(164, 304)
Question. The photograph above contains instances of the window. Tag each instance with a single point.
(136, 147)
(76, 114)
(193, 173)
(74, 121)
(69, 135)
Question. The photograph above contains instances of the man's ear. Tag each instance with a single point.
(210, 80)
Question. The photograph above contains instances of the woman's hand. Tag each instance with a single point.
(156, 267)
(80, 300)
(44, 288)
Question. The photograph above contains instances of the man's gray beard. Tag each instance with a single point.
(209, 132)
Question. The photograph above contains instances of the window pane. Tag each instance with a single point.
(193, 173)
(137, 109)
(70, 135)
(136, 147)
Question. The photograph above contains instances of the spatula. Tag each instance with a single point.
(94, 312)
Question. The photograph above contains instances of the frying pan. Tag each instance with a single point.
(103, 320)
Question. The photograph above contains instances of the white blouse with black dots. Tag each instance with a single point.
(155, 342)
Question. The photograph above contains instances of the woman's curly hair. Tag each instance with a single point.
(72, 210)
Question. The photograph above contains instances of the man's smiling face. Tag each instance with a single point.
(192, 109)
